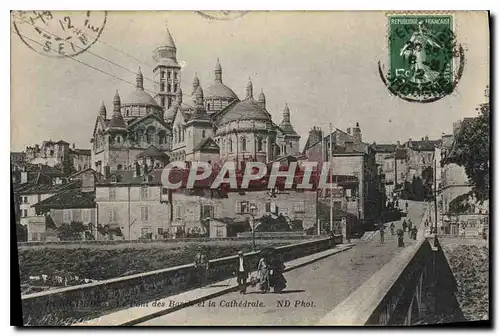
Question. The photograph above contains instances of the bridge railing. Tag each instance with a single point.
(76, 303)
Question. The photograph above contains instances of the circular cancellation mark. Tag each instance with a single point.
(59, 33)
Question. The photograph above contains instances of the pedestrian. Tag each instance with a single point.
(414, 232)
(406, 206)
(242, 270)
(404, 225)
(400, 234)
(410, 225)
(382, 232)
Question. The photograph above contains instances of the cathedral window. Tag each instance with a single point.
(140, 135)
(162, 74)
(169, 87)
(163, 101)
(162, 87)
(150, 136)
(176, 75)
(162, 137)
(230, 144)
(175, 87)
(169, 100)
(168, 74)
(243, 144)
(259, 144)
(183, 133)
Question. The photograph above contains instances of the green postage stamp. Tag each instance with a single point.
(424, 59)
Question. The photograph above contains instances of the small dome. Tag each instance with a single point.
(248, 109)
(139, 97)
(219, 90)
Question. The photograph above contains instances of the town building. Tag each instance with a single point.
(454, 180)
(350, 156)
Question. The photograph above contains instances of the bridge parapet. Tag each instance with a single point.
(404, 292)
(76, 303)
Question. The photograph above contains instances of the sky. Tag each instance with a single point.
(323, 64)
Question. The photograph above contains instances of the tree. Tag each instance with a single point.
(472, 151)
(71, 231)
(67, 166)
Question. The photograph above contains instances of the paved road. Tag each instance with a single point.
(312, 291)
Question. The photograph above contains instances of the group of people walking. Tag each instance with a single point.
(269, 273)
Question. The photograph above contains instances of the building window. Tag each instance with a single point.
(25, 199)
(243, 144)
(25, 213)
(175, 87)
(34, 236)
(144, 192)
(203, 133)
(160, 231)
(230, 145)
(242, 207)
(259, 144)
(178, 212)
(299, 207)
(268, 206)
(163, 101)
(219, 233)
(112, 216)
(144, 214)
(112, 193)
(162, 74)
(162, 87)
(176, 75)
(168, 75)
(207, 211)
(67, 216)
(169, 101)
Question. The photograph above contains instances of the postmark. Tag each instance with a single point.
(59, 33)
(425, 62)
(224, 15)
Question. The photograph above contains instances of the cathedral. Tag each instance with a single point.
(213, 125)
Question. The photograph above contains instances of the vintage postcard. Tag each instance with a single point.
(250, 168)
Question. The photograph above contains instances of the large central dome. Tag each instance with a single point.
(139, 97)
(219, 90)
(248, 109)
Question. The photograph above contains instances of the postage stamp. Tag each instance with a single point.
(425, 62)
(59, 33)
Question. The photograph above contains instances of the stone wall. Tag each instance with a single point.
(71, 304)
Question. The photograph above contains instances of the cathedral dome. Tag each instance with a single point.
(219, 90)
(248, 109)
(139, 97)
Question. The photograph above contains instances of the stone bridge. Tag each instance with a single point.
(368, 282)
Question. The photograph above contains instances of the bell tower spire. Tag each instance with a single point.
(167, 72)
(218, 72)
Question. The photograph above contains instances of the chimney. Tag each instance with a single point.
(356, 133)
(398, 144)
(73, 145)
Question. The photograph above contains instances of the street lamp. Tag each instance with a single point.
(253, 209)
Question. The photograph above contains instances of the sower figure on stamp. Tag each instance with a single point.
(242, 270)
